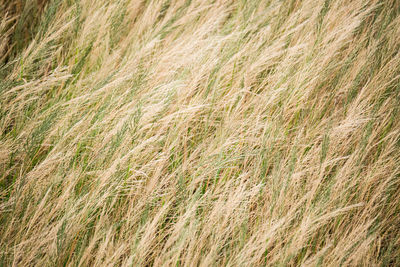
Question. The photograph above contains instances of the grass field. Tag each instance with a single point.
(199, 133)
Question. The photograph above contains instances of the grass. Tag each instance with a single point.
(199, 133)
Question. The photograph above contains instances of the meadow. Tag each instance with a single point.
(199, 133)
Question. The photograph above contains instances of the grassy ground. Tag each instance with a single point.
(199, 132)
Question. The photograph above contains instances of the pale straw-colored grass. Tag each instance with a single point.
(199, 133)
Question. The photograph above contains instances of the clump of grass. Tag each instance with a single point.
(180, 132)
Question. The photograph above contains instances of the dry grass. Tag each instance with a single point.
(199, 133)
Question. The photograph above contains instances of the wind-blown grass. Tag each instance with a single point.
(200, 133)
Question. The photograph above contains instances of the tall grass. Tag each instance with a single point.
(199, 132)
